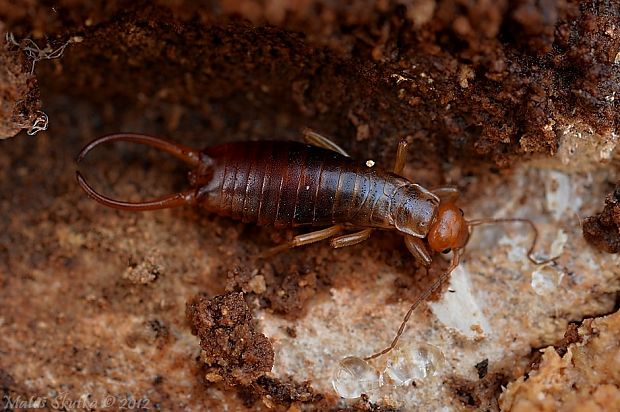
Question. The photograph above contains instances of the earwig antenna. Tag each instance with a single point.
(444, 276)
(185, 153)
(453, 265)
(478, 222)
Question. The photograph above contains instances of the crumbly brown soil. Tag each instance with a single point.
(603, 230)
(96, 295)
(480, 80)
(477, 395)
(232, 349)
(238, 356)
(19, 94)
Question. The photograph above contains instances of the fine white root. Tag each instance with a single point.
(34, 52)
(40, 124)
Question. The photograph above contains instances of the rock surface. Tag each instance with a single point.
(585, 378)
(93, 301)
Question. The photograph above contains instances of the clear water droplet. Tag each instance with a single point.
(545, 280)
(413, 362)
(355, 377)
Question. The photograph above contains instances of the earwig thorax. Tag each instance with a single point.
(413, 210)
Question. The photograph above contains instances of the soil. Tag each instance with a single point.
(481, 81)
(234, 352)
(19, 94)
(477, 395)
(91, 296)
(603, 230)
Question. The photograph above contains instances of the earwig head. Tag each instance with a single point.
(449, 229)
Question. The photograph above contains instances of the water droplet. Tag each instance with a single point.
(355, 377)
(546, 279)
(413, 362)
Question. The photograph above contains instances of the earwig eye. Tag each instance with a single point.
(446, 251)
(462, 213)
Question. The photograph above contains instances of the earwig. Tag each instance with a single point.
(290, 184)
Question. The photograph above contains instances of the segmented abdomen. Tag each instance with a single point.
(293, 184)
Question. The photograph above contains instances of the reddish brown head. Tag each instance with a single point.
(449, 229)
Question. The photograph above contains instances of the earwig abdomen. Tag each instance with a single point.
(293, 184)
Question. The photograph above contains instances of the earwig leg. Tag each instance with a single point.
(351, 238)
(304, 239)
(418, 249)
(447, 194)
(315, 139)
(401, 157)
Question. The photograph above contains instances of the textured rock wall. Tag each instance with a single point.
(93, 301)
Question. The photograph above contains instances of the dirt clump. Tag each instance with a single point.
(19, 92)
(235, 354)
(276, 392)
(284, 285)
(570, 336)
(477, 395)
(233, 351)
(603, 229)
